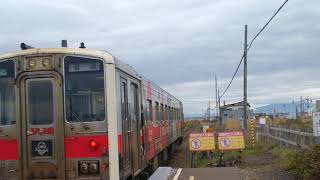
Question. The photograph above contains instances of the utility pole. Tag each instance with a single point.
(219, 117)
(308, 106)
(245, 100)
(216, 83)
(301, 108)
(209, 111)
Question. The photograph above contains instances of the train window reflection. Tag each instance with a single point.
(84, 89)
(7, 93)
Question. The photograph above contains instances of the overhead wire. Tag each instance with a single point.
(266, 24)
(250, 44)
(235, 73)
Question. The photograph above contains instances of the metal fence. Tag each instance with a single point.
(287, 136)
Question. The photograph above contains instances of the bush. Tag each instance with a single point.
(306, 164)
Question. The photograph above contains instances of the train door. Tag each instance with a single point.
(41, 117)
(126, 126)
(135, 130)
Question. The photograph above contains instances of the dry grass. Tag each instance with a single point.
(302, 124)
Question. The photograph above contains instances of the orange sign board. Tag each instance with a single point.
(231, 140)
(201, 142)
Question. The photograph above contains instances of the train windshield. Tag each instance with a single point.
(84, 89)
(7, 93)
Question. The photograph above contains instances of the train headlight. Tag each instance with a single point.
(84, 168)
(89, 167)
(93, 168)
(32, 63)
(46, 62)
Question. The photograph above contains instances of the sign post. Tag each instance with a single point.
(200, 142)
(231, 141)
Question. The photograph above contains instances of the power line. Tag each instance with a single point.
(235, 73)
(267, 24)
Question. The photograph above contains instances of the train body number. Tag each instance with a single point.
(42, 131)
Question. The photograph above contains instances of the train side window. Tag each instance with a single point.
(177, 112)
(166, 112)
(149, 111)
(173, 115)
(157, 113)
(135, 97)
(124, 100)
(170, 115)
(177, 115)
(161, 113)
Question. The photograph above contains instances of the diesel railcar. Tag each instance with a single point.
(55, 105)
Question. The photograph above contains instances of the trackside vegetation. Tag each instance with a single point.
(306, 164)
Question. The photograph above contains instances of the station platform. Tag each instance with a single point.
(217, 173)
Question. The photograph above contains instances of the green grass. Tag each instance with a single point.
(260, 148)
(284, 156)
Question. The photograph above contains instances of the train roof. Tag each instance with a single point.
(72, 51)
(109, 58)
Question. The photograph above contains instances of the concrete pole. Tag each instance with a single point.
(216, 83)
(219, 117)
(209, 111)
(245, 101)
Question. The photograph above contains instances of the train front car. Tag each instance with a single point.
(53, 113)
(63, 109)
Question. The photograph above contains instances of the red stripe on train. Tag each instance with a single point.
(78, 146)
(9, 149)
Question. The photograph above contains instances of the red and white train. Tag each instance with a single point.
(55, 108)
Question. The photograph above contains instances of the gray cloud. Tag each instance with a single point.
(180, 44)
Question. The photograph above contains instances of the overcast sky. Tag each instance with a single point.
(180, 44)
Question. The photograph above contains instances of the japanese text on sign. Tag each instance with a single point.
(201, 141)
(231, 140)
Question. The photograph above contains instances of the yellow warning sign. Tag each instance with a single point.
(201, 142)
(231, 140)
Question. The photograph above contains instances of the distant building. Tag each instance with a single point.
(235, 112)
(283, 115)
